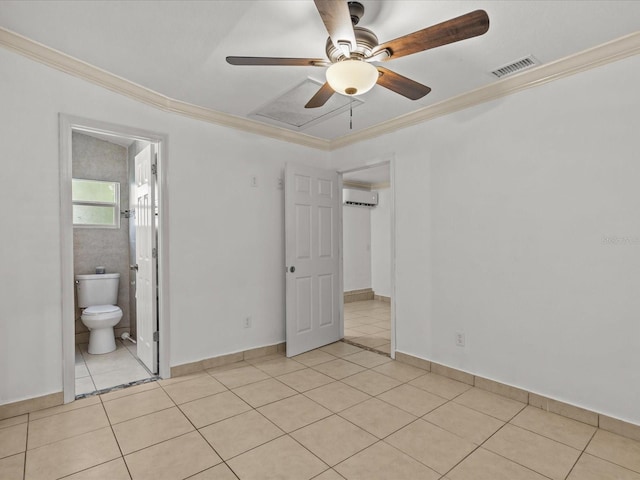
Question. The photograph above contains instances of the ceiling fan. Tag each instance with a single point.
(351, 50)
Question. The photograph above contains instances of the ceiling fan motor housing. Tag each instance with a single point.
(366, 41)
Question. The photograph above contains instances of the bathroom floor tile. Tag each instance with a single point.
(142, 432)
(303, 380)
(238, 377)
(279, 366)
(558, 428)
(282, 458)
(294, 412)
(333, 439)
(338, 369)
(411, 399)
(377, 417)
(497, 406)
(383, 462)
(340, 349)
(441, 386)
(65, 425)
(193, 389)
(431, 445)
(616, 449)
(214, 408)
(400, 371)
(85, 385)
(13, 440)
(67, 407)
(238, 434)
(12, 468)
(123, 392)
(464, 422)
(266, 391)
(314, 357)
(132, 406)
(72, 455)
(371, 382)
(179, 457)
(594, 468)
(485, 465)
(113, 470)
(10, 422)
(337, 396)
(120, 376)
(219, 472)
(368, 359)
(543, 455)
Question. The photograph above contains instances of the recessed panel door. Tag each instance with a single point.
(312, 258)
(146, 301)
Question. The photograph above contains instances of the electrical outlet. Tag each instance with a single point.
(460, 339)
(253, 180)
(247, 322)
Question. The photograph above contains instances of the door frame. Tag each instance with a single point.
(391, 162)
(68, 124)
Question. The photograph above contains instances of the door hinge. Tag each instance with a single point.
(154, 168)
(156, 336)
(154, 252)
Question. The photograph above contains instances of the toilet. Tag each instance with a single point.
(98, 295)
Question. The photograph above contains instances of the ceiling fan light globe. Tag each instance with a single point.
(352, 77)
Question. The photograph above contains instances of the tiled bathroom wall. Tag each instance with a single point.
(96, 159)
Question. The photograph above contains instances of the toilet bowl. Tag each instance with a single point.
(100, 320)
(97, 296)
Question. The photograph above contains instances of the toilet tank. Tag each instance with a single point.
(97, 289)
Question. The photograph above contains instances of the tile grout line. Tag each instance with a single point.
(115, 438)
(26, 443)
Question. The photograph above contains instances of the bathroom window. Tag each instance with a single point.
(95, 203)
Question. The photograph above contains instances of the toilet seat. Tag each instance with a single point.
(96, 310)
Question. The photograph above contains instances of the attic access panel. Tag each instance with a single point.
(288, 109)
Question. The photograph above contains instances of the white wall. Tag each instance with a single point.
(226, 238)
(356, 246)
(501, 212)
(381, 244)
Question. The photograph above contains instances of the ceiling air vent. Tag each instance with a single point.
(288, 109)
(515, 67)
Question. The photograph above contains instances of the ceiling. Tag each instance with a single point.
(178, 48)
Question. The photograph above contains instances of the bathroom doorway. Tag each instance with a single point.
(115, 227)
(368, 257)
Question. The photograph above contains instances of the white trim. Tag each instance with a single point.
(594, 57)
(69, 123)
(68, 64)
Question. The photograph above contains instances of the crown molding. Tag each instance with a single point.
(68, 64)
(594, 57)
(618, 49)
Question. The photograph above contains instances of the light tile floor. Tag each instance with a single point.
(98, 372)
(338, 412)
(368, 323)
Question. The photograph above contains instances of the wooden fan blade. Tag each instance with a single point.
(402, 85)
(337, 19)
(295, 62)
(459, 28)
(321, 97)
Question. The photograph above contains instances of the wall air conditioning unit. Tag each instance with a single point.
(360, 198)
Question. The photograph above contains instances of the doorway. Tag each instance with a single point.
(368, 258)
(120, 232)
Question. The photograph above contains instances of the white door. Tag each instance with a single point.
(312, 258)
(146, 320)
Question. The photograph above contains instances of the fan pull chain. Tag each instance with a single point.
(351, 115)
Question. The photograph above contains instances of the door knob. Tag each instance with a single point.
(292, 269)
(133, 267)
